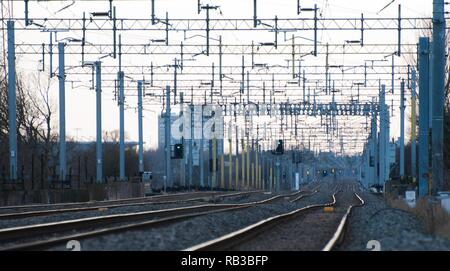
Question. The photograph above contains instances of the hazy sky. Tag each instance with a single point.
(80, 100)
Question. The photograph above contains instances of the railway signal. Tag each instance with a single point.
(279, 149)
(178, 151)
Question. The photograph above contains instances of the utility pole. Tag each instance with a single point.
(255, 18)
(12, 134)
(413, 124)
(122, 127)
(50, 52)
(374, 150)
(438, 91)
(175, 65)
(315, 29)
(248, 87)
(304, 86)
(191, 123)
(121, 100)
(237, 172)
(326, 71)
(153, 12)
(98, 92)
(167, 181)
(237, 149)
(270, 176)
(293, 60)
(141, 144)
(214, 163)
(424, 108)
(384, 138)
(247, 180)
(230, 157)
(220, 65)
(62, 113)
(202, 166)
(402, 129)
(183, 159)
(244, 149)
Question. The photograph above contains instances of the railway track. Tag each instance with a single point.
(21, 212)
(252, 238)
(169, 196)
(40, 236)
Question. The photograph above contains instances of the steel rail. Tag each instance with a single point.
(236, 237)
(143, 201)
(339, 234)
(304, 196)
(178, 214)
(93, 202)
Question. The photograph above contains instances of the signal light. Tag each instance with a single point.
(279, 148)
(178, 151)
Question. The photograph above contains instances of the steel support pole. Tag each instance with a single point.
(99, 150)
(270, 177)
(247, 180)
(214, 163)
(430, 100)
(375, 150)
(244, 149)
(438, 92)
(315, 29)
(326, 71)
(367, 173)
(153, 12)
(62, 113)
(413, 125)
(27, 21)
(230, 161)
(278, 166)
(252, 179)
(387, 142)
(220, 65)
(50, 53)
(121, 127)
(402, 129)
(201, 152)
(366, 161)
(382, 140)
(207, 29)
(222, 171)
(399, 39)
(424, 71)
(256, 167)
(191, 157)
(12, 125)
(141, 144)
(262, 174)
(304, 86)
(237, 172)
(167, 181)
(248, 87)
(393, 73)
(260, 185)
(255, 18)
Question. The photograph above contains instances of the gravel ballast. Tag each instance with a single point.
(7, 223)
(187, 233)
(394, 229)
